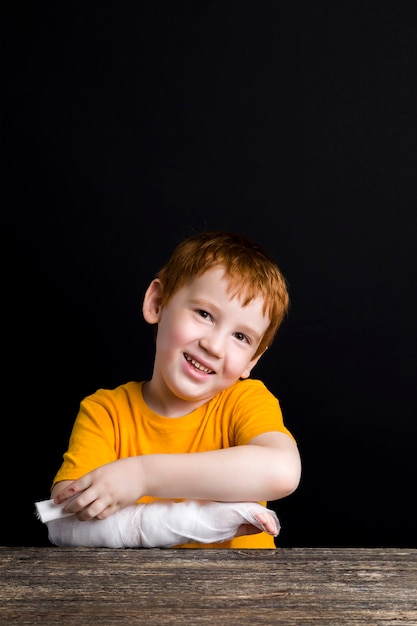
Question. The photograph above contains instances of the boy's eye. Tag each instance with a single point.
(204, 314)
(241, 337)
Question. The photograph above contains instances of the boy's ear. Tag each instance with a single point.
(151, 308)
(246, 372)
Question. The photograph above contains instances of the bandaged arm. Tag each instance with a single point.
(160, 524)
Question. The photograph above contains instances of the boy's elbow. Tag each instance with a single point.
(286, 485)
(286, 479)
(291, 483)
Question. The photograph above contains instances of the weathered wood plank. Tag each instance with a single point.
(300, 586)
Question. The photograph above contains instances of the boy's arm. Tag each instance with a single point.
(268, 468)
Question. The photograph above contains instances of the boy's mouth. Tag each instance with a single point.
(197, 365)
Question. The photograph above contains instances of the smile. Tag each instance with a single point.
(198, 365)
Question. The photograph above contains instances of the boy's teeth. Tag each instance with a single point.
(198, 365)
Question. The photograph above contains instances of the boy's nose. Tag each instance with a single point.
(213, 343)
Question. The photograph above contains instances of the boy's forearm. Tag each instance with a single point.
(242, 473)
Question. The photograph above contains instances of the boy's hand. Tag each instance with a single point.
(105, 490)
(266, 520)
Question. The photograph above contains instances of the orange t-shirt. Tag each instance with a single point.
(115, 424)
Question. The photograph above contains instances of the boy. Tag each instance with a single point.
(193, 454)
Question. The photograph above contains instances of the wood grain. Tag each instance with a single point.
(303, 586)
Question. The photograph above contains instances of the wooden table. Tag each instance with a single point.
(303, 586)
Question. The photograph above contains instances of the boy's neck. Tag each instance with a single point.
(172, 407)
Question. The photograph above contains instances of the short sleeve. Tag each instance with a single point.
(255, 411)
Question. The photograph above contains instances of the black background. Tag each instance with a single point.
(128, 126)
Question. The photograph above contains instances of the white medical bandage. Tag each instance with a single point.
(47, 510)
(160, 524)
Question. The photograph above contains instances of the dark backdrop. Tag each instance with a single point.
(130, 125)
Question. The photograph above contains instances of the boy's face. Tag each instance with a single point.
(206, 340)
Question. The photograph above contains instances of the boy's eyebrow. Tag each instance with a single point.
(246, 330)
(202, 301)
